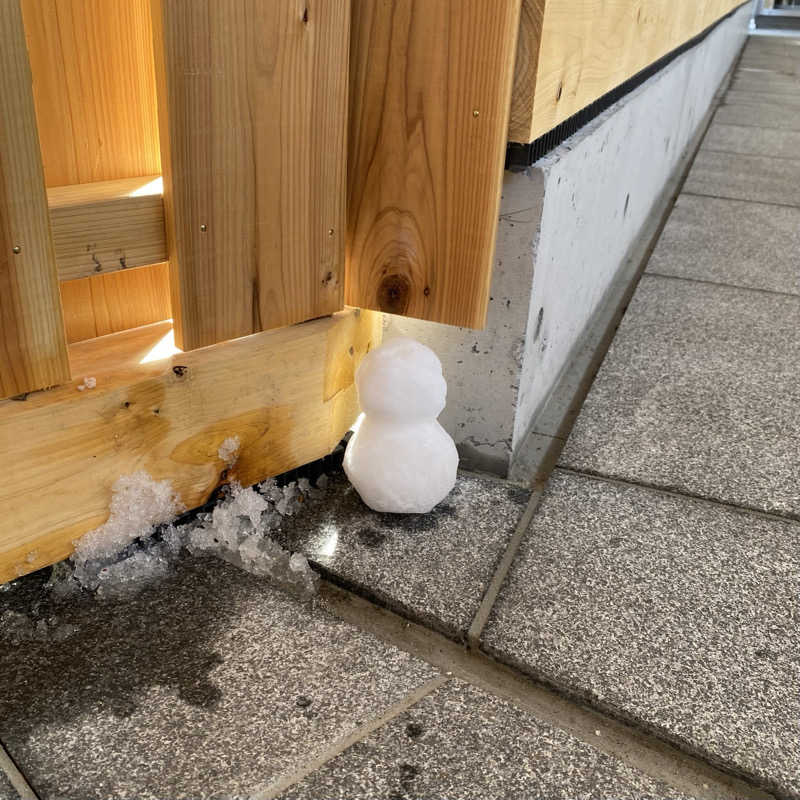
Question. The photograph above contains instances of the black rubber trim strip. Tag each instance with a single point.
(519, 156)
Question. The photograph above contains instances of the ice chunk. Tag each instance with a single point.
(138, 504)
(130, 575)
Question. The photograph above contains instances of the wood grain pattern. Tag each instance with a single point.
(429, 100)
(32, 347)
(113, 302)
(571, 52)
(94, 88)
(107, 226)
(253, 98)
(287, 394)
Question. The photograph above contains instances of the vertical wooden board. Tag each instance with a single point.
(252, 110)
(115, 301)
(94, 88)
(429, 103)
(33, 352)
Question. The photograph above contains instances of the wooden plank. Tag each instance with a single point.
(104, 304)
(253, 98)
(32, 347)
(107, 226)
(94, 87)
(525, 70)
(571, 52)
(287, 394)
(429, 100)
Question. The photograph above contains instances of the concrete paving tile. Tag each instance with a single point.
(767, 180)
(765, 115)
(750, 140)
(752, 79)
(677, 614)
(463, 743)
(731, 241)
(208, 685)
(432, 567)
(734, 96)
(699, 392)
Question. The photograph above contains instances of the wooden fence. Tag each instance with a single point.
(191, 190)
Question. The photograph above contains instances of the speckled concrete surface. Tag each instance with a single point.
(462, 743)
(760, 178)
(764, 98)
(699, 392)
(7, 791)
(679, 614)
(750, 79)
(206, 686)
(432, 568)
(715, 240)
(749, 140)
(764, 115)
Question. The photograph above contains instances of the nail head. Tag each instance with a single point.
(204, 227)
(17, 249)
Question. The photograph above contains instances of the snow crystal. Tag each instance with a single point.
(229, 450)
(138, 505)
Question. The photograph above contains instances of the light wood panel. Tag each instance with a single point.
(32, 347)
(104, 304)
(107, 226)
(94, 88)
(253, 112)
(287, 394)
(571, 52)
(429, 101)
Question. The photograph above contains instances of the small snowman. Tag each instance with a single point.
(400, 459)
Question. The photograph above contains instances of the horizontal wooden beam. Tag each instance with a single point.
(572, 52)
(107, 225)
(288, 395)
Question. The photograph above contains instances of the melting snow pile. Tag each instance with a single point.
(139, 542)
(138, 505)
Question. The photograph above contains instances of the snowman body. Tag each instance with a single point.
(400, 459)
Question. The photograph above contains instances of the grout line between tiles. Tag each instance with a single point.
(773, 516)
(736, 286)
(489, 597)
(643, 750)
(740, 199)
(18, 781)
(282, 783)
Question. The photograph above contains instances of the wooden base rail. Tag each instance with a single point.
(288, 394)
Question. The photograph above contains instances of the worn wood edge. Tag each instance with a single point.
(288, 394)
(107, 226)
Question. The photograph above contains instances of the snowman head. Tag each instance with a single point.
(402, 379)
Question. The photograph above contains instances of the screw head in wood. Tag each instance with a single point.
(17, 249)
(203, 228)
(475, 112)
(330, 231)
